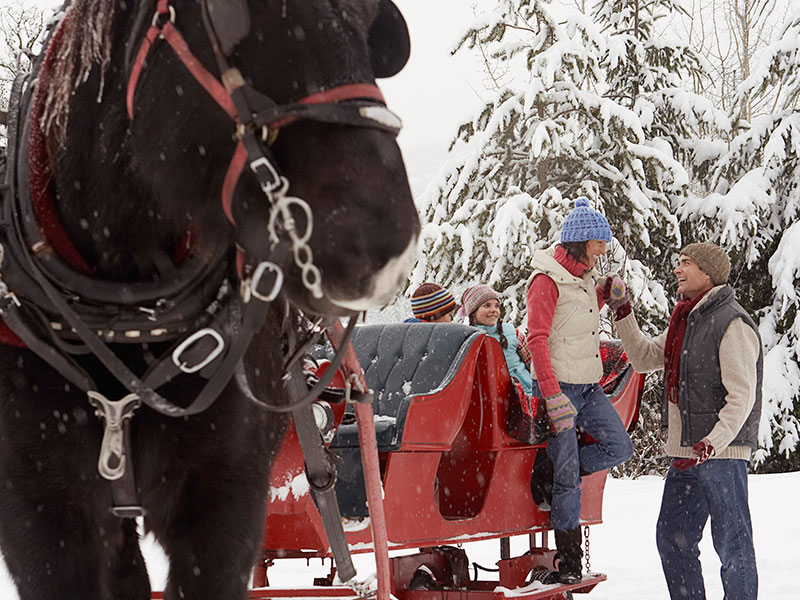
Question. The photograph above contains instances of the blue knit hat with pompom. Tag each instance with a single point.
(584, 224)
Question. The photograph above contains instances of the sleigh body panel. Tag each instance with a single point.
(451, 473)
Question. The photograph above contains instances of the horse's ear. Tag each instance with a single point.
(388, 40)
(230, 20)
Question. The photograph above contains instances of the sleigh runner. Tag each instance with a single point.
(449, 469)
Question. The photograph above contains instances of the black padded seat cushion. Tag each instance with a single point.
(400, 361)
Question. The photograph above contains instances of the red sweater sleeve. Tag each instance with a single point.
(542, 298)
(600, 302)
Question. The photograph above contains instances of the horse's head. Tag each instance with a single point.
(177, 151)
(352, 177)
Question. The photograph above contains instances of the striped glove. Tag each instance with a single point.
(615, 294)
(561, 412)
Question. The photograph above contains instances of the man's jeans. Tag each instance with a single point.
(598, 418)
(715, 488)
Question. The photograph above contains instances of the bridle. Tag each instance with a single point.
(257, 120)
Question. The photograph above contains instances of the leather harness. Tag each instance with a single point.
(58, 310)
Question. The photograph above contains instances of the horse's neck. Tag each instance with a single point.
(114, 223)
(124, 221)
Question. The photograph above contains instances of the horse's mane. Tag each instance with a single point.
(84, 41)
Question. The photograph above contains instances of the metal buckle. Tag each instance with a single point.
(272, 181)
(176, 354)
(255, 280)
(7, 297)
(128, 512)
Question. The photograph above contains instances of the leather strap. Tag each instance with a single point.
(321, 474)
(125, 498)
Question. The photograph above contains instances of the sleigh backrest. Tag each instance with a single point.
(402, 361)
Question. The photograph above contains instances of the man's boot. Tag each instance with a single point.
(568, 544)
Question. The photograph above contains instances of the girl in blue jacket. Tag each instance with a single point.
(482, 305)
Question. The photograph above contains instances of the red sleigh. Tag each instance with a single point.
(450, 472)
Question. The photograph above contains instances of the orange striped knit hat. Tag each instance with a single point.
(431, 301)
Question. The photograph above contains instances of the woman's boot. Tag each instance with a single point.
(568, 544)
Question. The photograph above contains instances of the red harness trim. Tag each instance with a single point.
(349, 91)
(8, 337)
(173, 37)
(235, 168)
(39, 176)
(39, 164)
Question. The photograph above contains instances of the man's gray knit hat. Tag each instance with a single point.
(711, 259)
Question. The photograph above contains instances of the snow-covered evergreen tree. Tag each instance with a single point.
(597, 108)
(602, 106)
(550, 134)
(654, 73)
(753, 212)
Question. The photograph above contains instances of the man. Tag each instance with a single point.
(432, 303)
(712, 357)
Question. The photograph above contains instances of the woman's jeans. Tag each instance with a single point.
(715, 488)
(598, 418)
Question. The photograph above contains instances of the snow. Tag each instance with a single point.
(298, 486)
(622, 547)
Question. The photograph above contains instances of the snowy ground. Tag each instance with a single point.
(623, 547)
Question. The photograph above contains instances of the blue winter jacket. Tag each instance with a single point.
(516, 367)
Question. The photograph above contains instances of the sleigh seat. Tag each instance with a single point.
(450, 470)
(401, 362)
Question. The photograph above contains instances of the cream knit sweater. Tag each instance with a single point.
(738, 354)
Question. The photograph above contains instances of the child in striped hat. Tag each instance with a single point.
(432, 303)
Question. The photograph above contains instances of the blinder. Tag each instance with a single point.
(388, 38)
(389, 43)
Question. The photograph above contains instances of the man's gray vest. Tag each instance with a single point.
(701, 393)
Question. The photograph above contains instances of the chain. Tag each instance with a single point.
(303, 255)
(586, 546)
(275, 187)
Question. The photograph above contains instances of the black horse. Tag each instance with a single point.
(195, 180)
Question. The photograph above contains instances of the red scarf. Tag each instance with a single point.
(672, 349)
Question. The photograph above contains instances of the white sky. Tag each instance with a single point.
(435, 92)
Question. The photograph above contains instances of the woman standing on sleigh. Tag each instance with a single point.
(563, 338)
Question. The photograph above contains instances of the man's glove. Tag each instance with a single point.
(561, 412)
(701, 452)
(615, 294)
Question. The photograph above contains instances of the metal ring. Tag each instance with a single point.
(159, 14)
(191, 340)
(256, 279)
(312, 280)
